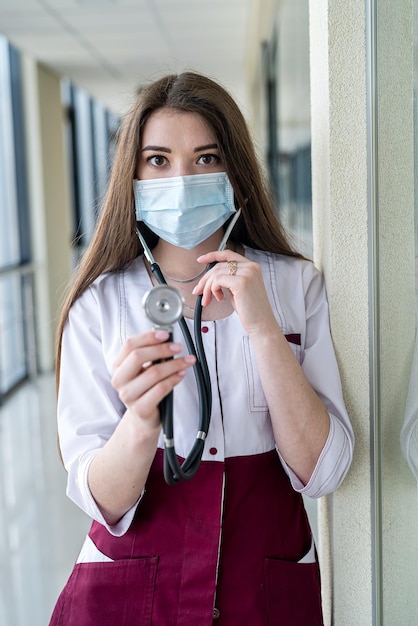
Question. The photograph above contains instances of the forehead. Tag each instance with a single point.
(181, 127)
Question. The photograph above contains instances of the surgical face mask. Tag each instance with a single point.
(184, 210)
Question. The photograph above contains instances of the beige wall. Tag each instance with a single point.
(49, 200)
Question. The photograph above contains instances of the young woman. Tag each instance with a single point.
(232, 545)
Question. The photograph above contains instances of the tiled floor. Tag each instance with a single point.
(41, 531)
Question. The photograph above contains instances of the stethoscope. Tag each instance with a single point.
(163, 305)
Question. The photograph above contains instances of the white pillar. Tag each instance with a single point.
(340, 216)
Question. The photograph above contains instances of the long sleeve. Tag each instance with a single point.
(89, 408)
(298, 297)
(321, 369)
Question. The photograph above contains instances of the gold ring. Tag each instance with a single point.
(232, 267)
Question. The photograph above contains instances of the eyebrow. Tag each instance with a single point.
(156, 149)
(209, 146)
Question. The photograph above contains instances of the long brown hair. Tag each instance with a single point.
(115, 242)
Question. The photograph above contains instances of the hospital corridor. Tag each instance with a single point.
(329, 92)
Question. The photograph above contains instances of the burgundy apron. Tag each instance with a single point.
(198, 553)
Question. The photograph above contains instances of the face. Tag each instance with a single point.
(176, 143)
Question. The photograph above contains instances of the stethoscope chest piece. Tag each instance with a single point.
(163, 305)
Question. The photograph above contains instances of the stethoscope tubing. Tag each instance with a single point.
(173, 470)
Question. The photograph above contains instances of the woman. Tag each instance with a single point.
(232, 545)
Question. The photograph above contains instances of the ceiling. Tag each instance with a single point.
(111, 47)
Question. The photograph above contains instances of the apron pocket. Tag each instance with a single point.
(119, 593)
(293, 593)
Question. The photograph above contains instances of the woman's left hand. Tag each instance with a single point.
(244, 281)
(299, 418)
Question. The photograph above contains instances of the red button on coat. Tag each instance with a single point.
(205, 329)
(213, 451)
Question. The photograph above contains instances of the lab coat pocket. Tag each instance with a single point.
(256, 399)
(293, 593)
(118, 593)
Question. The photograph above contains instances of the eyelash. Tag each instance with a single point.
(215, 159)
(156, 156)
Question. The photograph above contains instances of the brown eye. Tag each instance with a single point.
(209, 159)
(157, 160)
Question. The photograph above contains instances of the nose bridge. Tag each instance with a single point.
(182, 166)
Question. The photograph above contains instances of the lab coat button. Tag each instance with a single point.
(216, 613)
(213, 451)
(205, 329)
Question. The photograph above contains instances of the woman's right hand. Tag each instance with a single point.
(145, 372)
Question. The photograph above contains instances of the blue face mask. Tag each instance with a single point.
(184, 210)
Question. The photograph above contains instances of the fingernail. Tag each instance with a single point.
(190, 358)
(161, 334)
(175, 347)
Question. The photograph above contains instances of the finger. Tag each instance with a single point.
(155, 378)
(221, 279)
(152, 337)
(140, 358)
(214, 287)
(219, 256)
(227, 264)
(146, 406)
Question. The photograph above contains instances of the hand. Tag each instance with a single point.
(141, 381)
(245, 285)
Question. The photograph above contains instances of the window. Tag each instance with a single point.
(16, 310)
(286, 76)
(91, 131)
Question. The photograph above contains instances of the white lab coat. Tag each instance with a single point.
(89, 409)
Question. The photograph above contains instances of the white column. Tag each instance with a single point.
(340, 214)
